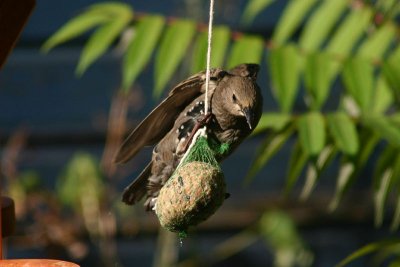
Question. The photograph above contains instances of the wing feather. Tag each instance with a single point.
(137, 189)
(160, 121)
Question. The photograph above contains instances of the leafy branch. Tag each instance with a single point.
(346, 48)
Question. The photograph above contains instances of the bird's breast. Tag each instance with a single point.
(228, 129)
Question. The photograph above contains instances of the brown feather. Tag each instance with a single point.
(157, 124)
(236, 106)
(137, 189)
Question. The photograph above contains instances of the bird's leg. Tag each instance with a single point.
(199, 124)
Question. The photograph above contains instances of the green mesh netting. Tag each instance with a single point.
(206, 150)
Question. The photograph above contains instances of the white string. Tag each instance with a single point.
(210, 26)
(202, 131)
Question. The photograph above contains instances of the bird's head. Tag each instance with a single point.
(242, 98)
(246, 70)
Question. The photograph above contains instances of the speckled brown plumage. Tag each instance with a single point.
(236, 107)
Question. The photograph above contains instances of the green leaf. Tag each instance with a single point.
(395, 11)
(253, 8)
(345, 177)
(344, 132)
(284, 65)
(391, 71)
(274, 121)
(386, 6)
(279, 231)
(384, 128)
(297, 162)
(369, 141)
(311, 129)
(386, 178)
(315, 168)
(220, 42)
(383, 97)
(395, 185)
(291, 19)
(381, 196)
(326, 156)
(358, 76)
(267, 150)
(141, 47)
(384, 162)
(112, 8)
(200, 53)
(100, 40)
(320, 24)
(365, 250)
(172, 50)
(351, 166)
(29, 181)
(396, 171)
(317, 78)
(247, 49)
(350, 31)
(377, 44)
(382, 179)
(388, 256)
(75, 27)
(312, 175)
(396, 217)
(81, 170)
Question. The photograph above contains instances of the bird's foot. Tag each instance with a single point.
(153, 203)
(204, 120)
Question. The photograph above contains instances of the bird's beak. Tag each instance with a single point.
(249, 116)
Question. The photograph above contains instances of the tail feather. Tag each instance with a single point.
(134, 192)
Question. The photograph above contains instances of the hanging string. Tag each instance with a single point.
(210, 28)
(202, 131)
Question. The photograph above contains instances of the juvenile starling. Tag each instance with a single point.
(235, 104)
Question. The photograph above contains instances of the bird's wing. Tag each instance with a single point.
(137, 189)
(160, 121)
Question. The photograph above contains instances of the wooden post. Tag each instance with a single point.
(1, 228)
(7, 220)
(13, 16)
(7, 225)
(36, 263)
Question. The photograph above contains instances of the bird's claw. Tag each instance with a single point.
(154, 202)
(204, 120)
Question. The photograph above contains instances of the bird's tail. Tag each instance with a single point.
(134, 192)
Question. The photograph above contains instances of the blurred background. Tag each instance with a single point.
(58, 133)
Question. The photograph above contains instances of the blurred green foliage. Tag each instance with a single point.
(316, 45)
(80, 181)
(279, 232)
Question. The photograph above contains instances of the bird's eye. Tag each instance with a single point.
(234, 98)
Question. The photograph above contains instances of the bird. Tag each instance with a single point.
(235, 108)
